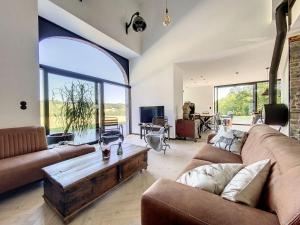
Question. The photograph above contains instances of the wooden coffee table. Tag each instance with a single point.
(72, 185)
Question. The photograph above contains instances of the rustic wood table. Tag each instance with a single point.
(72, 185)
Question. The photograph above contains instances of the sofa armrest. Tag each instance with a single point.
(69, 151)
(210, 137)
(170, 203)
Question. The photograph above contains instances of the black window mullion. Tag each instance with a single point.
(129, 109)
(46, 101)
(255, 100)
(102, 113)
(216, 102)
(66, 73)
(97, 103)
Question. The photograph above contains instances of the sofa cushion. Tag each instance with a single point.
(23, 169)
(281, 193)
(193, 164)
(217, 155)
(68, 152)
(230, 140)
(20, 141)
(247, 184)
(212, 178)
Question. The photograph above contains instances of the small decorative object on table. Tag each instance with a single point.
(105, 151)
(120, 150)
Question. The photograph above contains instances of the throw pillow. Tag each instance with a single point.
(230, 140)
(246, 186)
(212, 178)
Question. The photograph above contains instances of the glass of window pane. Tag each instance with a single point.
(263, 94)
(57, 84)
(115, 104)
(236, 102)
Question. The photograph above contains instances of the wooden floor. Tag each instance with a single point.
(121, 207)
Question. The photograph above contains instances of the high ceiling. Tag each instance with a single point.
(211, 39)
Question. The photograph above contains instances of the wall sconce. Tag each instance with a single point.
(138, 23)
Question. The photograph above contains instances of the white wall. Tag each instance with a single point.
(154, 90)
(203, 97)
(19, 79)
(163, 86)
(178, 92)
(296, 13)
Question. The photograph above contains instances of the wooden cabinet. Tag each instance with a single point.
(187, 129)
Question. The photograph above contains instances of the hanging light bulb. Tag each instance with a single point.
(167, 18)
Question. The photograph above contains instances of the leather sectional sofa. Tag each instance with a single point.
(24, 151)
(167, 202)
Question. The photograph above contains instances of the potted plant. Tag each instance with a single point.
(74, 110)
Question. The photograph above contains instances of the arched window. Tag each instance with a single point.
(81, 57)
(67, 61)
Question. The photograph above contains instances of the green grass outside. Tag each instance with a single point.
(111, 110)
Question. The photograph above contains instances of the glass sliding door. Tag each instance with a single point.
(236, 102)
(239, 101)
(115, 104)
(63, 91)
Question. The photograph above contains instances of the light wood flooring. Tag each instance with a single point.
(120, 207)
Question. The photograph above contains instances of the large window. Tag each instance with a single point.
(241, 100)
(66, 62)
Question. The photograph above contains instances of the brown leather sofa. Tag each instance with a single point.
(24, 151)
(167, 202)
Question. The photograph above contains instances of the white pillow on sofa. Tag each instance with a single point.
(246, 186)
(212, 178)
(230, 140)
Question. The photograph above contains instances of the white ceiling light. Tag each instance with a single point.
(167, 18)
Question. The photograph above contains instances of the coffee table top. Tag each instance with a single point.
(71, 171)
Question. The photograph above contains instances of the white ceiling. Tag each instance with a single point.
(247, 66)
(246, 63)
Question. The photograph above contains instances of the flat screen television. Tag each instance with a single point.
(147, 113)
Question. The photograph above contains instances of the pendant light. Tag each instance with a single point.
(167, 18)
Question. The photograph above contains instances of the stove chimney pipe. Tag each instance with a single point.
(277, 114)
(281, 26)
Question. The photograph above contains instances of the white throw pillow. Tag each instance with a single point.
(212, 178)
(230, 140)
(246, 186)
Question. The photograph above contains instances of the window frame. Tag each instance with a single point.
(99, 95)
